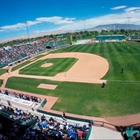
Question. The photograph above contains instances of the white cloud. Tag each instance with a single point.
(56, 20)
(13, 27)
(132, 10)
(31, 23)
(47, 31)
(118, 7)
(106, 19)
(66, 23)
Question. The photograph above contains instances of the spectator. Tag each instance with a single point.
(43, 118)
(64, 116)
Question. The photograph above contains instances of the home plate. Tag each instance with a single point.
(47, 86)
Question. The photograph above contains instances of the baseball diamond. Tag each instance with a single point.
(78, 81)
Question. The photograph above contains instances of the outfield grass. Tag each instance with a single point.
(87, 99)
(119, 97)
(59, 65)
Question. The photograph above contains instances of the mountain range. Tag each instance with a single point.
(96, 28)
(116, 27)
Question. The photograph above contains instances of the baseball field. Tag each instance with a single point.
(78, 72)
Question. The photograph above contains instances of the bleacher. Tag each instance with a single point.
(17, 115)
(16, 54)
(34, 127)
(21, 99)
(110, 38)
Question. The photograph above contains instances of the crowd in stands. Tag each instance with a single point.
(18, 52)
(41, 128)
(22, 96)
(16, 113)
(55, 130)
(13, 122)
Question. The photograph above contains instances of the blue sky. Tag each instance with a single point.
(53, 15)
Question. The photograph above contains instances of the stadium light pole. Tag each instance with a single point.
(26, 23)
(128, 18)
(128, 22)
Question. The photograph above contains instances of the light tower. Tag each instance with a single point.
(128, 19)
(26, 23)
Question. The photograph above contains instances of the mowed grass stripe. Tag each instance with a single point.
(115, 73)
(97, 48)
(66, 65)
(102, 49)
(90, 48)
(59, 65)
(108, 57)
(118, 62)
(132, 59)
(30, 68)
(74, 49)
(135, 46)
(114, 67)
(93, 47)
(125, 65)
(122, 63)
(127, 49)
(82, 48)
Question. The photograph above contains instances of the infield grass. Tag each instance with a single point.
(59, 65)
(119, 97)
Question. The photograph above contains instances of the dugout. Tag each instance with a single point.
(50, 44)
(110, 38)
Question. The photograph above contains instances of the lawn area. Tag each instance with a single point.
(59, 65)
(2, 71)
(26, 62)
(1, 81)
(119, 97)
(87, 99)
(21, 65)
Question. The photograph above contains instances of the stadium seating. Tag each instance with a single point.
(107, 38)
(32, 127)
(16, 54)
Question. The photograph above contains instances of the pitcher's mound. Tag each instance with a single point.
(46, 65)
(47, 86)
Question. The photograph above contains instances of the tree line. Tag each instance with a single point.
(75, 36)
